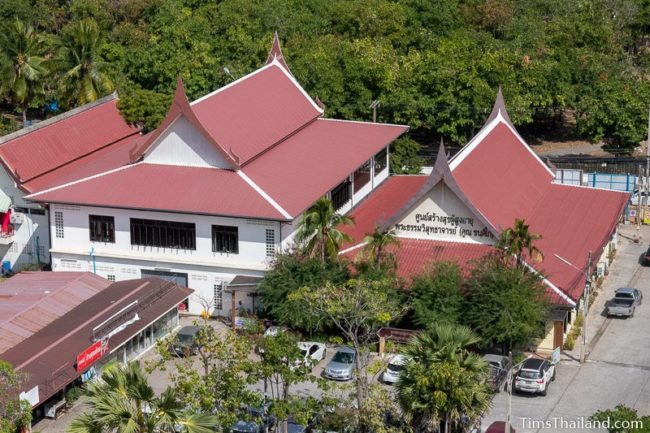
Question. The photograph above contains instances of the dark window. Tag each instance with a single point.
(166, 234)
(381, 161)
(102, 228)
(225, 239)
(361, 176)
(341, 194)
(270, 242)
(58, 224)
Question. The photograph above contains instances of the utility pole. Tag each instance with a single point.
(639, 182)
(585, 312)
(509, 385)
(374, 105)
(647, 170)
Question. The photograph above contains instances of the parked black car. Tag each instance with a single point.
(184, 343)
(645, 260)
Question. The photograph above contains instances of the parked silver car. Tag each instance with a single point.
(341, 366)
(624, 302)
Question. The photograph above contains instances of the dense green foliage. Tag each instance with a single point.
(433, 65)
(506, 305)
(622, 419)
(14, 413)
(436, 295)
(288, 274)
(443, 381)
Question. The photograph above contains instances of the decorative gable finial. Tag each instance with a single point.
(276, 53)
(179, 93)
(442, 164)
(499, 107)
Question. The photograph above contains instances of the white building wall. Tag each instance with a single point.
(31, 237)
(182, 144)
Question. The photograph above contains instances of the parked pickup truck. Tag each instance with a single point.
(624, 302)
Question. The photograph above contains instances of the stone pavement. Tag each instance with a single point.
(618, 362)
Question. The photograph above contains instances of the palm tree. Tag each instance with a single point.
(443, 382)
(83, 73)
(377, 242)
(517, 239)
(317, 231)
(122, 401)
(22, 66)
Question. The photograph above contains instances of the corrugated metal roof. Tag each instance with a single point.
(311, 162)
(197, 190)
(48, 356)
(30, 301)
(64, 138)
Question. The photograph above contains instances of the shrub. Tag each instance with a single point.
(570, 342)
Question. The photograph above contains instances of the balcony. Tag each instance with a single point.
(7, 235)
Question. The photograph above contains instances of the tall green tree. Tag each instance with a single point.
(443, 381)
(318, 231)
(517, 240)
(436, 294)
(22, 65)
(288, 274)
(622, 419)
(84, 75)
(506, 305)
(124, 402)
(377, 244)
(357, 309)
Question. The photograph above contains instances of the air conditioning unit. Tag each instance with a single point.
(16, 218)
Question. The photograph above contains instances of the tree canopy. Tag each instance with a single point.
(432, 65)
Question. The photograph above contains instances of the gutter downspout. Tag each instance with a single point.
(92, 257)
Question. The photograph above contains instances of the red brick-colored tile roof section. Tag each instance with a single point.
(573, 221)
(502, 178)
(251, 115)
(381, 205)
(29, 301)
(197, 190)
(105, 159)
(310, 163)
(413, 256)
(75, 135)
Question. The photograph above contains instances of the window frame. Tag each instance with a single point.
(162, 234)
(380, 166)
(107, 219)
(361, 176)
(59, 227)
(223, 246)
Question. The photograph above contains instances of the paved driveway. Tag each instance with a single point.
(618, 366)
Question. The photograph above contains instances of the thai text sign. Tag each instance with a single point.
(90, 355)
(430, 223)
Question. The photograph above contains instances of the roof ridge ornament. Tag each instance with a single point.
(499, 109)
(275, 53)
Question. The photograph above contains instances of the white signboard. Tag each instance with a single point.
(441, 215)
(31, 396)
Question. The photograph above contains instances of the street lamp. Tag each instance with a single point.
(585, 303)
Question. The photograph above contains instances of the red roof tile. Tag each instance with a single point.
(501, 166)
(381, 205)
(32, 300)
(198, 190)
(53, 143)
(105, 159)
(573, 221)
(414, 255)
(308, 164)
(252, 114)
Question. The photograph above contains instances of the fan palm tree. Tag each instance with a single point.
(122, 401)
(377, 242)
(443, 382)
(22, 65)
(317, 231)
(83, 73)
(518, 239)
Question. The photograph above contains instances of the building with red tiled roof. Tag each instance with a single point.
(86, 140)
(217, 188)
(459, 211)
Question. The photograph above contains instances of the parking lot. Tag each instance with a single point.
(618, 367)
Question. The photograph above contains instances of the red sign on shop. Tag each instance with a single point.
(90, 355)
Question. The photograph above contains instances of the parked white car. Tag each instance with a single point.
(312, 352)
(394, 369)
(535, 376)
